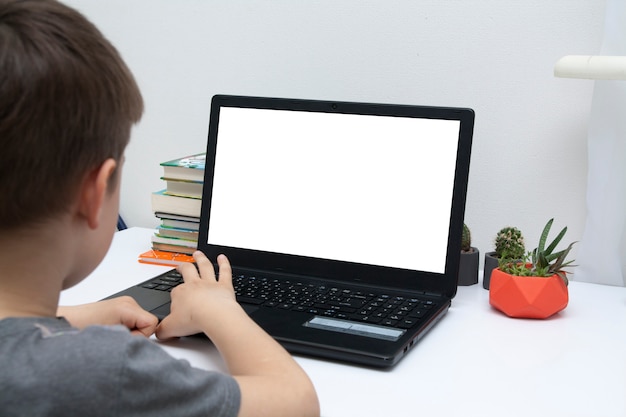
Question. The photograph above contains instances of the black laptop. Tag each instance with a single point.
(342, 221)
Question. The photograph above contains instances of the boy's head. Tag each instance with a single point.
(67, 104)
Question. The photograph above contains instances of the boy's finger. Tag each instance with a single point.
(188, 271)
(163, 330)
(225, 270)
(204, 265)
(140, 321)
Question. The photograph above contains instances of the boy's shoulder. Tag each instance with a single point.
(102, 368)
(53, 348)
(51, 333)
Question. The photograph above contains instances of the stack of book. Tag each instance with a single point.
(178, 207)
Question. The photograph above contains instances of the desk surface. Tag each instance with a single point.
(475, 362)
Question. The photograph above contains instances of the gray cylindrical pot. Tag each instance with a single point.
(491, 263)
(468, 267)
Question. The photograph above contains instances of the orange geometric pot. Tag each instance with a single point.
(527, 297)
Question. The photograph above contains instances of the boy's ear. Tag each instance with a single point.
(94, 190)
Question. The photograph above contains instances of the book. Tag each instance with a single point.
(177, 233)
(170, 244)
(173, 204)
(158, 257)
(180, 224)
(171, 216)
(189, 168)
(156, 238)
(172, 248)
(183, 188)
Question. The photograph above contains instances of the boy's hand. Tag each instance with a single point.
(121, 310)
(199, 298)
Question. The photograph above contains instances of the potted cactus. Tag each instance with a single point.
(510, 240)
(468, 266)
(536, 286)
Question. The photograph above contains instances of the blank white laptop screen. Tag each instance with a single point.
(368, 189)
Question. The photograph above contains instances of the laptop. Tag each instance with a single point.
(356, 208)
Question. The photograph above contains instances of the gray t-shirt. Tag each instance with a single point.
(49, 368)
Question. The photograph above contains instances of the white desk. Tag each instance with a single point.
(475, 362)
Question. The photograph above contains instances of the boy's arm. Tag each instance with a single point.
(121, 310)
(271, 382)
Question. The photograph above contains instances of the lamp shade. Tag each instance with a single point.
(593, 67)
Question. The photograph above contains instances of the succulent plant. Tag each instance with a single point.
(541, 261)
(509, 242)
(466, 239)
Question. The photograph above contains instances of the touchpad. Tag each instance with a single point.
(162, 311)
(249, 308)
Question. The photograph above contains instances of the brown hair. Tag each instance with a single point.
(67, 103)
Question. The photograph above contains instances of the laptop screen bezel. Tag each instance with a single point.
(443, 284)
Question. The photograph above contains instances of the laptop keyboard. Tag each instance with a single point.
(322, 300)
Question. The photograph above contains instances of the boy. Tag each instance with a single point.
(67, 105)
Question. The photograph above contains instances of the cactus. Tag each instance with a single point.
(542, 261)
(510, 241)
(466, 239)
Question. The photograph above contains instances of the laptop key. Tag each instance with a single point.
(165, 282)
(172, 278)
(418, 313)
(371, 319)
(249, 300)
(163, 287)
(352, 302)
(407, 323)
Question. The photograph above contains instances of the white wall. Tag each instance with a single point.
(529, 156)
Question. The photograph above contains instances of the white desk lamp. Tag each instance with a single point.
(602, 252)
